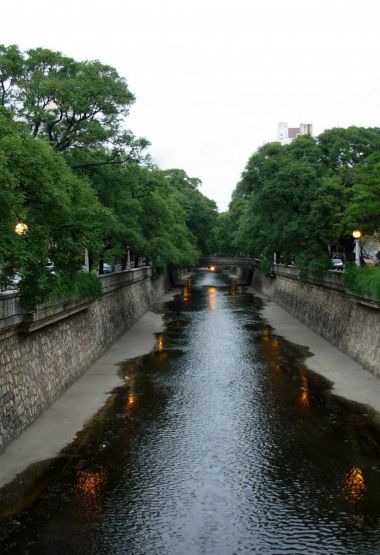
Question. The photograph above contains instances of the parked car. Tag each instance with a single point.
(14, 280)
(337, 264)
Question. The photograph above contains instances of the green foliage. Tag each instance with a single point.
(61, 210)
(63, 287)
(200, 212)
(363, 280)
(363, 208)
(67, 102)
(300, 199)
(72, 171)
(265, 266)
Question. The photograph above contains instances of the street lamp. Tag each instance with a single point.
(21, 228)
(128, 258)
(356, 235)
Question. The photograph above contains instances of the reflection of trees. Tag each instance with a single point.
(233, 292)
(271, 349)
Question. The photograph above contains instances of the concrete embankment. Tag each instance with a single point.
(349, 379)
(58, 424)
(44, 352)
(347, 321)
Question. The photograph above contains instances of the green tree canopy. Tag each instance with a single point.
(300, 199)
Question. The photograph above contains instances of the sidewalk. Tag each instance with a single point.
(349, 378)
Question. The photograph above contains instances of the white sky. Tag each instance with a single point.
(212, 78)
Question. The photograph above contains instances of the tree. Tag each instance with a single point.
(300, 199)
(201, 212)
(61, 210)
(363, 199)
(70, 103)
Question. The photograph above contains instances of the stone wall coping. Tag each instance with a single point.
(32, 321)
(15, 320)
(332, 280)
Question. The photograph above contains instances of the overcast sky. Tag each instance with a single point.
(212, 78)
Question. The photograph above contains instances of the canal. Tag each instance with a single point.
(220, 442)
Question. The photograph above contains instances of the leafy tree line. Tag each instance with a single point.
(303, 200)
(72, 171)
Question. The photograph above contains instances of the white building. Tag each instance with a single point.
(286, 134)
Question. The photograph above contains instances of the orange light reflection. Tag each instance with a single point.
(132, 400)
(90, 482)
(160, 343)
(186, 294)
(212, 293)
(304, 399)
(355, 487)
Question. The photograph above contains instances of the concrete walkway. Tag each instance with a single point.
(349, 378)
(59, 424)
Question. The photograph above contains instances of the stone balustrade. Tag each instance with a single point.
(13, 319)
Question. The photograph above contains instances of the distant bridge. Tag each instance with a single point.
(238, 267)
(223, 262)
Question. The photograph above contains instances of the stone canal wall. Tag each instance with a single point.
(349, 322)
(43, 352)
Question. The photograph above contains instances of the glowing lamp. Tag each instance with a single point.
(356, 234)
(21, 228)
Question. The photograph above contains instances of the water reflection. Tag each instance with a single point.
(271, 349)
(186, 294)
(233, 293)
(132, 398)
(160, 343)
(304, 394)
(90, 483)
(132, 401)
(355, 487)
(212, 297)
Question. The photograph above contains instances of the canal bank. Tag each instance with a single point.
(220, 441)
(348, 378)
(59, 423)
(44, 351)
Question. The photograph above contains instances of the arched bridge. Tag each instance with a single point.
(237, 267)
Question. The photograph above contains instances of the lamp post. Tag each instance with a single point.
(356, 235)
(128, 258)
(86, 260)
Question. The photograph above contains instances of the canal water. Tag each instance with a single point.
(220, 442)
